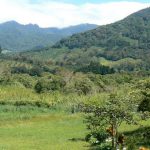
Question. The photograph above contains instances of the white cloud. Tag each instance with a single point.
(50, 14)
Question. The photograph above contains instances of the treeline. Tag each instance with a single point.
(35, 71)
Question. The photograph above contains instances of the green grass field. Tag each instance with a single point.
(43, 132)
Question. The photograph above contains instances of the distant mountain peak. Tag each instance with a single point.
(12, 22)
(16, 36)
(32, 25)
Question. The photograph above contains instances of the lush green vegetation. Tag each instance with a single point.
(105, 119)
(121, 38)
(128, 38)
(122, 46)
(48, 98)
(93, 95)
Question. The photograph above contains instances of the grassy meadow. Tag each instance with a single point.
(54, 131)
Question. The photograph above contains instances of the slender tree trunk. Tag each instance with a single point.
(116, 136)
(113, 138)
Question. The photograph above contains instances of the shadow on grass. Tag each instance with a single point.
(140, 136)
(94, 148)
(77, 139)
(88, 147)
(141, 130)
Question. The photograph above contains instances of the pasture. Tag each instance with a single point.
(38, 130)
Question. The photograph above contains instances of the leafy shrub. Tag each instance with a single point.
(5, 80)
(84, 86)
(145, 103)
(26, 80)
(96, 137)
(97, 80)
(21, 69)
(36, 71)
(49, 85)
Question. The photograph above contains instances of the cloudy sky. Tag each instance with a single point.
(62, 13)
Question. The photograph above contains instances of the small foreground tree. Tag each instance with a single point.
(106, 118)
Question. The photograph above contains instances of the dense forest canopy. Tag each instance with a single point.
(127, 38)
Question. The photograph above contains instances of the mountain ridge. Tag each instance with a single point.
(16, 36)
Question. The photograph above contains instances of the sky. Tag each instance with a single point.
(63, 13)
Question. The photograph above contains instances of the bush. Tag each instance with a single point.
(36, 71)
(5, 80)
(21, 69)
(84, 86)
(96, 137)
(26, 80)
(45, 85)
(145, 103)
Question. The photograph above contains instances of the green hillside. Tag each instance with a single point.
(127, 38)
(123, 45)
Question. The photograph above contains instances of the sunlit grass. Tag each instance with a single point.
(127, 127)
(51, 131)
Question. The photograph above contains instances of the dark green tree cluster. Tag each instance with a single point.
(35, 71)
(145, 103)
(97, 68)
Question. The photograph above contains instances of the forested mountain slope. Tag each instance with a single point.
(17, 37)
(129, 37)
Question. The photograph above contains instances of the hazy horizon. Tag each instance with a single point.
(46, 27)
